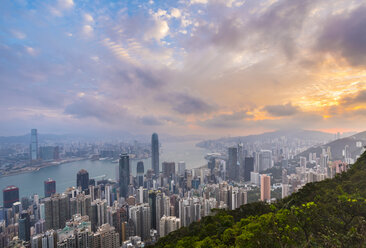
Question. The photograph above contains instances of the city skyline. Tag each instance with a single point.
(207, 67)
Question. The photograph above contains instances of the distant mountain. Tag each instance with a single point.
(121, 137)
(337, 146)
(300, 134)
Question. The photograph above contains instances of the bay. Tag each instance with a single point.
(65, 174)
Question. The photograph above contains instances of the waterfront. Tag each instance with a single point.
(65, 174)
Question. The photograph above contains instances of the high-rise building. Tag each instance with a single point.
(82, 179)
(140, 173)
(155, 154)
(24, 226)
(265, 160)
(211, 164)
(34, 145)
(56, 210)
(248, 168)
(48, 153)
(168, 224)
(124, 175)
(152, 204)
(285, 190)
(49, 187)
(303, 164)
(10, 195)
(265, 188)
(181, 168)
(141, 217)
(232, 166)
(106, 236)
(168, 169)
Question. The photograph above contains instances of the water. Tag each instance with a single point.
(65, 174)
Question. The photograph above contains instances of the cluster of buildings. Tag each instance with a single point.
(135, 211)
(132, 211)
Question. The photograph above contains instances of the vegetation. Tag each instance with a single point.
(330, 213)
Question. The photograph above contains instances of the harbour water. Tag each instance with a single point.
(65, 174)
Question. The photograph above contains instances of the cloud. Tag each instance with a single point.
(235, 119)
(175, 12)
(88, 18)
(87, 30)
(61, 6)
(150, 121)
(158, 31)
(65, 4)
(344, 35)
(186, 104)
(98, 108)
(19, 35)
(356, 98)
(281, 110)
(31, 50)
(199, 1)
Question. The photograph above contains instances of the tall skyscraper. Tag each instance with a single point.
(24, 226)
(49, 187)
(181, 168)
(34, 145)
(265, 160)
(155, 154)
(152, 204)
(232, 166)
(82, 179)
(140, 173)
(168, 169)
(265, 188)
(10, 195)
(248, 168)
(124, 175)
(141, 217)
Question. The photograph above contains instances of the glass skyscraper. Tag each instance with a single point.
(34, 145)
(124, 175)
(155, 153)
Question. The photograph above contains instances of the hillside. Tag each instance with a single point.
(338, 145)
(330, 213)
(291, 134)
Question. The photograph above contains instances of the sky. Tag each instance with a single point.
(186, 67)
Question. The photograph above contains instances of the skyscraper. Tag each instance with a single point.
(265, 188)
(24, 226)
(141, 217)
(10, 195)
(82, 179)
(248, 168)
(155, 154)
(140, 173)
(168, 169)
(124, 175)
(232, 166)
(181, 168)
(265, 160)
(49, 187)
(34, 145)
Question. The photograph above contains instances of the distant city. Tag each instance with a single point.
(136, 209)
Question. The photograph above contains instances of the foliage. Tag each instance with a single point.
(330, 213)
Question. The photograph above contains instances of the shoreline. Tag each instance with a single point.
(37, 168)
(50, 164)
